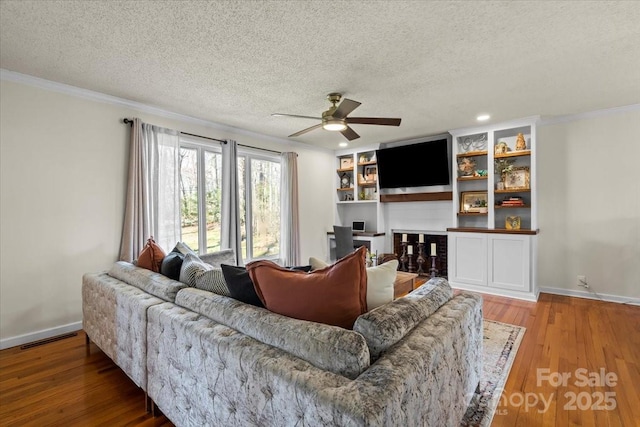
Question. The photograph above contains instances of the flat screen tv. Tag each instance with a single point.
(416, 165)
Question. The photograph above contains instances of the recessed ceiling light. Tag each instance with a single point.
(483, 117)
(343, 144)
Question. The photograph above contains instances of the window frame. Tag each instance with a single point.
(200, 147)
(248, 154)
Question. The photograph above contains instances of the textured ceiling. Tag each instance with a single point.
(434, 64)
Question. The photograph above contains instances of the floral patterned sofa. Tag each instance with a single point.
(207, 359)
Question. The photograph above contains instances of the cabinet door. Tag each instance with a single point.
(509, 262)
(468, 258)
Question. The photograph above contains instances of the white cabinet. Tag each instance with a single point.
(493, 263)
(467, 258)
(509, 266)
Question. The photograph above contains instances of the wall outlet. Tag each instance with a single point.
(582, 281)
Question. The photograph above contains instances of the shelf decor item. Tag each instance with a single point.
(346, 163)
(345, 180)
(474, 201)
(517, 179)
(502, 167)
(466, 166)
(521, 144)
(512, 222)
(501, 148)
(473, 143)
(370, 173)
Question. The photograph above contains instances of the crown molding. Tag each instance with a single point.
(589, 115)
(91, 95)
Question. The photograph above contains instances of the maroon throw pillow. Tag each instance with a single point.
(335, 295)
(151, 256)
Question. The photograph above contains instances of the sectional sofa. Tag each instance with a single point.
(209, 360)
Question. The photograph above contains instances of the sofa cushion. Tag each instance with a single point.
(183, 248)
(240, 285)
(380, 280)
(197, 273)
(151, 256)
(225, 256)
(212, 280)
(191, 266)
(384, 326)
(171, 265)
(154, 283)
(335, 295)
(327, 347)
(317, 263)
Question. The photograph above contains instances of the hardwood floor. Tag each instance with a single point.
(576, 337)
(57, 384)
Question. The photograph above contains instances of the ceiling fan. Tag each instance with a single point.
(335, 118)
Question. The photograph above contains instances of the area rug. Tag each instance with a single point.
(500, 345)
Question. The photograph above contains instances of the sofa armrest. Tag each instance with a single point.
(114, 317)
(386, 325)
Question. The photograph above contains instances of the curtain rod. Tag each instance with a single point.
(130, 123)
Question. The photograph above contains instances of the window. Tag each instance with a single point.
(200, 196)
(201, 199)
(188, 163)
(259, 205)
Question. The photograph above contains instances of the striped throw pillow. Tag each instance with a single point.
(198, 274)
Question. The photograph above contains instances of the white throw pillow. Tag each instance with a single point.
(317, 263)
(380, 280)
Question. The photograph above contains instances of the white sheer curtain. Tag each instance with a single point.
(289, 215)
(230, 233)
(152, 206)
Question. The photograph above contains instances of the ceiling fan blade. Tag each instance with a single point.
(345, 107)
(382, 121)
(295, 115)
(303, 131)
(350, 134)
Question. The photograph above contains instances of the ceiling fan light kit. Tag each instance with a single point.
(335, 118)
(334, 124)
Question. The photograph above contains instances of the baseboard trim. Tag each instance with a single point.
(591, 295)
(40, 335)
(507, 293)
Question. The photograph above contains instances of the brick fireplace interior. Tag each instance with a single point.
(412, 240)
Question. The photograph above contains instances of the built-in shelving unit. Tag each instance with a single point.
(357, 195)
(492, 243)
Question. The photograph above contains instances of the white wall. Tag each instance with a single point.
(416, 216)
(589, 204)
(63, 177)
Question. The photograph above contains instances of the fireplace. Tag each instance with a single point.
(420, 261)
